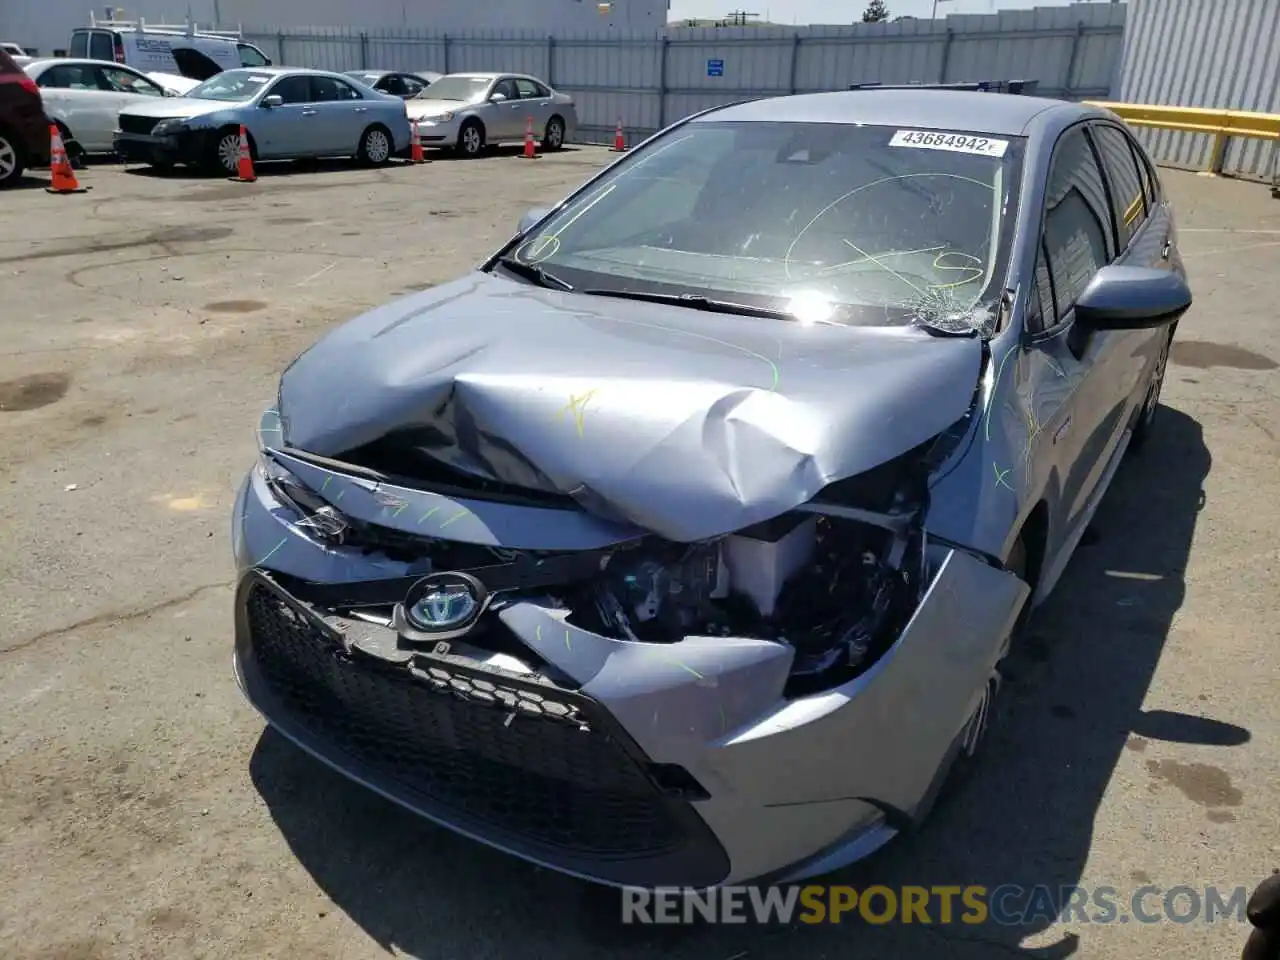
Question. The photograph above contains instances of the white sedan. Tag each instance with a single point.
(472, 110)
(85, 98)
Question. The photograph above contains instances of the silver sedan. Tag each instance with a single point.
(470, 111)
(288, 113)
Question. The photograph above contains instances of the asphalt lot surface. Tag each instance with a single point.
(145, 811)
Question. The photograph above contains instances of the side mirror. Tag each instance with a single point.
(497, 97)
(531, 218)
(272, 101)
(1132, 298)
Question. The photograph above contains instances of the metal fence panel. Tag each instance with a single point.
(648, 79)
(1205, 53)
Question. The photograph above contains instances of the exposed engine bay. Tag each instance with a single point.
(828, 587)
(837, 590)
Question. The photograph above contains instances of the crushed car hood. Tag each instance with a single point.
(685, 423)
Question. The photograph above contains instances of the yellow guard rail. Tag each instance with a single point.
(1222, 125)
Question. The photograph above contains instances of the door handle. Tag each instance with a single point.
(309, 113)
(362, 109)
(1166, 249)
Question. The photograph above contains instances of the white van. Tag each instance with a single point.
(186, 50)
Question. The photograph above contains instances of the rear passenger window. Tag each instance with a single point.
(1128, 199)
(68, 77)
(1150, 184)
(1077, 220)
(326, 89)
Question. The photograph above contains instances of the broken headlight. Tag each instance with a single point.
(835, 590)
(318, 518)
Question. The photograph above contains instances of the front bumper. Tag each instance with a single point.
(439, 133)
(781, 788)
(188, 146)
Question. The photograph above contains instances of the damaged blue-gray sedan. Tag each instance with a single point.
(680, 543)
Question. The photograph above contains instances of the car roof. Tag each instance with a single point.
(370, 73)
(1007, 115)
(78, 62)
(277, 71)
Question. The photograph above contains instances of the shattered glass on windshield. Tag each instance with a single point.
(830, 223)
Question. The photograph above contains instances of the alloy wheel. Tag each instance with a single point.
(471, 140)
(980, 720)
(229, 152)
(376, 147)
(555, 135)
(8, 159)
(1157, 383)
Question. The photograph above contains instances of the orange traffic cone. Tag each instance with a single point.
(63, 176)
(416, 153)
(619, 144)
(530, 150)
(244, 165)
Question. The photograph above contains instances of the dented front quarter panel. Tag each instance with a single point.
(798, 775)
(679, 422)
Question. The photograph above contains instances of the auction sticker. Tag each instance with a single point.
(954, 142)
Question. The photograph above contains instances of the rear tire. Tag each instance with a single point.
(12, 160)
(376, 146)
(471, 139)
(553, 138)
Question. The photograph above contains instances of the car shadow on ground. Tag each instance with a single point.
(1072, 709)
(263, 170)
(490, 151)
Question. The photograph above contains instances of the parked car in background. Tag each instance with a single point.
(24, 128)
(398, 84)
(469, 111)
(683, 541)
(12, 49)
(289, 113)
(85, 97)
(185, 49)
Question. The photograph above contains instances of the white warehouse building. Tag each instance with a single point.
(46, 25)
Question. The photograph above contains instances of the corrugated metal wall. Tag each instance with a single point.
(650, 79)
(1205, 53)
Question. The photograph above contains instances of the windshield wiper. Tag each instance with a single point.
(696, 302)
(535, 273)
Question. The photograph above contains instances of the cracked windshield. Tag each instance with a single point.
(826, 222)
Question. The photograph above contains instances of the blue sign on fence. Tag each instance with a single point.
(715, 68)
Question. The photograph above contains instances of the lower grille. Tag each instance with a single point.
(528, 761)
(142, 125)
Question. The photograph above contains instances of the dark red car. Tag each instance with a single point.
(24, 128)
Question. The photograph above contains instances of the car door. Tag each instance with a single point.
(535, 102)
(505, 120)
(1144, 238)
(1075, 424)
(123, 87)
(88, 99)
(342, 115)
(284, 130)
